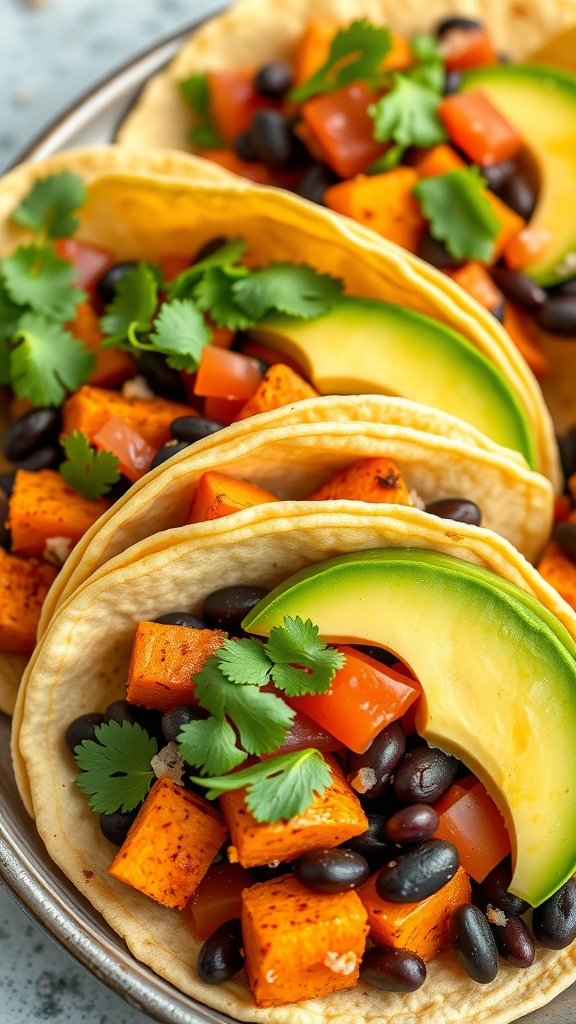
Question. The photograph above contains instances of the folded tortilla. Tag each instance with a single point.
(81, 665)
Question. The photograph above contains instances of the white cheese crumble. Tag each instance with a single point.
(363, 780)
(57, 549)
(341, 963)
(416, 499)
(167, 764)
(137, 387)
(495, 916)
(271, 976)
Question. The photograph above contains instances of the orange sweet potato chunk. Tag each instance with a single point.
(218, 495)
(421, 927)
(89, 408)
(113, 366)
(164, 659)
(279, 386)
(331, 819)
(377, 480)
(42, 506)
(383, 202)
(300, 944)
(23, 586)
(559, 571)
(171, 844)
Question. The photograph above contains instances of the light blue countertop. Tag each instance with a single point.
(49, 55)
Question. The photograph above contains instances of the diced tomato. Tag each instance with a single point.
(222, 337)
(465, 48)
(252, 170)
(304, 733)
(562, 508)
(271, 356)
(224, 374)
(471, 821)
(88, 261)
(171, 266)
(217, 899)
(527, 247)
(344, 129)
(134, 453)
(223, 410)
(477, 127)
(234, 100)
(364, 697)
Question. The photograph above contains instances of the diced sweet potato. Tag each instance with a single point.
(164, 659)
(89, 408)
(171, 844)
(510, 224)
(559, 571)
(377, 480)
(23, 586)
(218, 495)
(331, 819)
(313, 48)
(421, 927)
(475, 279)
(383, 202)
(42, 506)
(440, 159)
(279, 386)
(300, 944)
(524, 332)
(113, 366)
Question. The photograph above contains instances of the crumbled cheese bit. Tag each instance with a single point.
(495, 916)
(273, 864)
(341, 963)
(56, 550)
(167, 764)
(363, 780)
(416, 499)
(137, 387)
(271, 976)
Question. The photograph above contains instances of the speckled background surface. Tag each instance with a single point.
(49, 55)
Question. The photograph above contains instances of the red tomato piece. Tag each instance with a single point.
(223, 410)
(134, 453)
(234, 100)
(224, 374)
(477, 127)
(471, 821)
(88, 261)
(562, 508)
(217, 899)
(363, 699)
(304, 733)
(463, 48)
(343, 127)
(171, 266)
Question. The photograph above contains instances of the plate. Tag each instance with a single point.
(38, 885)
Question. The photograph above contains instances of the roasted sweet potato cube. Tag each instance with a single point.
(421, 927)
(112, 365)
(164, 659)
(559, 571)
(171, 844)
(331, 819)
(300, 944)
(218, 495)
(43, 506)
(374, 480)
(280, 386)
(24, 584)
(89, 408)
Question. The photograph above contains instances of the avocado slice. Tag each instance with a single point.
(541, 103)
(363, 346)
(499, 685)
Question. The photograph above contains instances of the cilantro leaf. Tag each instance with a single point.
(214, 294)
(87, 471)
(204, 136)
(278, 788)
(356, 52)
(429, 70)
(297, 643)
(181, 333)
(116, 770)
(133, 306)
(459, 213)
(46, 361)
(408, 115)
(297, 290)
(226, 257)
(210, 745)
(244, 662)
(49, 205)
(34, 276)
(195, 91)
(9, 315)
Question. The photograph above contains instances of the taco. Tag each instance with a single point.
(131, 252)
(463, 610)
(386, 115)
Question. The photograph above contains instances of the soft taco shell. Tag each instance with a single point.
(81, 666)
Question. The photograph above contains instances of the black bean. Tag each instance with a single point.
(495, 889)
(331, 870)
(35, 429)
(567, 447)
(181, 619)
(514, 942)
(412, 824)
(558, 315)
(209, 248)
(564, 288)
(499, 311)
(554, 921)
(461, 24)
(378, 653)
(107, 284)
(7, 482)
(42, 458)
(266, 872)
(373, 844)
(272, 138)
(225, 608)
(315, 181)
(369, 773)
(167, 451)
(193, 428)
(393, 970)
(147, 718)
(82, 728)
(244, 147)
(461, 510)
(120, 711)
(424, 774)
(474, 944)
(519, 195)
(119, 489)
(498, 175)
(221, 957)
(519, 287)
(418, 872)
(274, 80)
(565, 537)
(436, 253)
(5, 536)
(115, 826)
(173, 720)
(452, 82)
(160, 377)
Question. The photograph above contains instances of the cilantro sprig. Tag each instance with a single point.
(195, 90)
(87, 471)
(459, 213)
(356, 52)
(407, 114)
(116, 770)
(49, 207)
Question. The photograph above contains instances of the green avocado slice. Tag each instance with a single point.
(363, 346)
(499, 685)
(541, 103)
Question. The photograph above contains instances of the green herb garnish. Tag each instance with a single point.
(36, 278)
(196, 92)
(46, 361)
(48, 208)
(294, 289)
(356, 53)
(87, 471)
(116, 770)
(460, 214)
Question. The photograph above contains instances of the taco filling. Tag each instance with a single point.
(329, 774)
